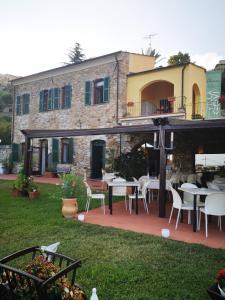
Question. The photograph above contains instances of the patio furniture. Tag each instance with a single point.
(212, 186)
(91, 196)
(141, 195)
(126, 184)
(188, 198)
(177, 203)
(153, 184)
(195, 192)
(215, 206)
(191, 178)
(120, 190)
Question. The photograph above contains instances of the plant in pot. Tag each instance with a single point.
(67, 188)
(32, 189)
(19, 184)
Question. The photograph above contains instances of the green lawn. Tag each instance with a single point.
(122, 265)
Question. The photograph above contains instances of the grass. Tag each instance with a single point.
(122, 265)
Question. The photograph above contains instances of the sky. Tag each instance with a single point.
(210, 159)
(36, 35)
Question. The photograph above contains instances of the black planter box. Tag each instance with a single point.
(214, 293)
(15, 277)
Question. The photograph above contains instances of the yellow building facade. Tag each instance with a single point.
(174, 90)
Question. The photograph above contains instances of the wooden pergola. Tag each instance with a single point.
(161, 125)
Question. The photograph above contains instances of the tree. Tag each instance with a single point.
(179, 58)
(76, 54)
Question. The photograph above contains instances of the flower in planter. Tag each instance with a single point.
(222, 99)
(42, 268)
(220, 277)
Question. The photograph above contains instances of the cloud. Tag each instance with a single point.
(206, 60)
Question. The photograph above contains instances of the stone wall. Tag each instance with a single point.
(5, 151)
(79, 116)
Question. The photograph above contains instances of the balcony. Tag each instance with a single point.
(170, 105)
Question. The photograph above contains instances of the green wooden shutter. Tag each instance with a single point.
(87, 92)
(26, 103)
(106, 90)
(50, 99)
(70, 151)
(15, 152)
(56, 98)
(41, 101)
(55, 150)
(68, 96)
(18, 105)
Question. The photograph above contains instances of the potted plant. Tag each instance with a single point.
(19, 184)
(217, 291)
(67, 188)
(32, 189)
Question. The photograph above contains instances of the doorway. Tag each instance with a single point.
(43, 156)
(97, 158)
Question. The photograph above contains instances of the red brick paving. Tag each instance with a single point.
(143, 223)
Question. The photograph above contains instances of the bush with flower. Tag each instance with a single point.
(220, 278)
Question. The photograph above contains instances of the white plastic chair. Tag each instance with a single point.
(188, 198)
(191, 178)
(141, 195)
(177, 203)
(215, 206)
(212, 186)
(120, 190)
(91, 196)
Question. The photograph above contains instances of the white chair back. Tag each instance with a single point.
(212, 186)
(177, 202)
(191, 178)
(215, 204)
(119, 190)
(187, 197)
(89, 193)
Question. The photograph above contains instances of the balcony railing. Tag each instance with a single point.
(163, 106)
(166, 106)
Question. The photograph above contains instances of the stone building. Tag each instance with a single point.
(120, 88)
(91, 94)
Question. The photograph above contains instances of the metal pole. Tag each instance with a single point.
(27, 156)
(162, 180)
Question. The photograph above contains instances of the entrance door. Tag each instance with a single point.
(97, 158)
(35, 161)
(43, 156)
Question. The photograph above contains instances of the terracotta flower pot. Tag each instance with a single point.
(33, 195)
(16, 193)
(70, 208)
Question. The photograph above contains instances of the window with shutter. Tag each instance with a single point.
(50, 99)
(70, 151)
(45, 103)
(56, 98)
(15, 152)
(87, 93)
(68, 96)
(106, 90)
(18, 105)
(41, 101)
(55, 150)
(26, 103)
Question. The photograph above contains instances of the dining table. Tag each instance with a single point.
(112, 184)
(195, 192)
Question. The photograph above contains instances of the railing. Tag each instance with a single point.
(148, 108)
(166, 106)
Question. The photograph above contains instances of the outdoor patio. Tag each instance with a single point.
(143, 223)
